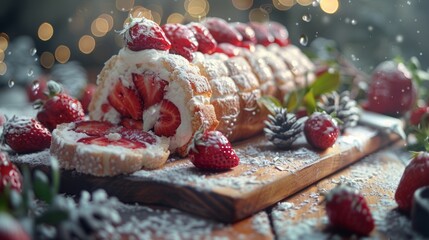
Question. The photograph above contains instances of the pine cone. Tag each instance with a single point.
(342, 107)
(283, 128)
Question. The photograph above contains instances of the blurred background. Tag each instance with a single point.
(37, 36)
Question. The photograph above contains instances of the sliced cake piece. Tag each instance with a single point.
(105, 149)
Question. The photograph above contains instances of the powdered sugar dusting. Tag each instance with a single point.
(38, 158)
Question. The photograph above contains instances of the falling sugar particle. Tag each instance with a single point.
(347, 20)
(70, 20)
(30, 72)
(399, 38)
(36, 85)
(33, 51)
(36, 59)
(421, 54)
(409, 2)
(9, 53)
(418, 31)
(229, 19)
(11, 83)
(303, 40)
(315, 3)
(370, 28)
(306, 17)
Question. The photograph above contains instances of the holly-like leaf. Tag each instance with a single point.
(326, 82)
(55, 174)
(292, 100)
(52, 216)
(42, 187)
(310, 102)
(270, 103)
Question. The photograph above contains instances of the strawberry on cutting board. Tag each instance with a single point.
(25, 135)
(206, 42)
(222, 32)
(9, 174)
(416, 175)
(321, 130)
(59, 108)
(348, 210)
(142, 33)
(211, 150)
(183, 41)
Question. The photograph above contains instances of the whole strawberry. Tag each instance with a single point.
(416, 116)
(321, 130)
(25, 135)
(59, 108)
(416, 175)
(183, 41)
(11, 229)
(206, 42)
(212, 151)
(222, 32)
(142, 33)
(9, 174)
(391, 90)
(348, 210)
(36, 90)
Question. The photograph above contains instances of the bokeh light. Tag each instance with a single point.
(109, 20)
(197, 8)
(242, 4)
(1, 55)
(258, 15)
(62, 54)
(139, 11)
(99, 27)
(3, 68)
(124, 5)
(4, 41)
(329, 6)
(86, 44)
(47, 60)
(45, 32)
(305, 2)
(283, 5)
(175, 18)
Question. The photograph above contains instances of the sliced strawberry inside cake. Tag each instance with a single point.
(104, 149)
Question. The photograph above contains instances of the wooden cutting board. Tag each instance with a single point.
(265, 176)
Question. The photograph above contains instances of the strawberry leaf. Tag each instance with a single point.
(327, 82)
(42, 188)
(310, 102)
(270, 103)
(292, 100)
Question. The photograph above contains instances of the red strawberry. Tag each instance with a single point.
(169, 119)
(206, 43)
(391, 90)
(93, 128)
(417, 114)
(213, 151)
(228, 49)
(222, 32)
(9, 174)
(150, 87)
(126, 101)
(246, 32)
(248, 45)
(86, 97)
(26, 135)
(142, 33)
(11, 229)
(59, 108)
(36, 90)
(347, 210)
(416, 175)
(183, 41)
(321, 130)
(263, 36)
(279, 32)
(131, 123)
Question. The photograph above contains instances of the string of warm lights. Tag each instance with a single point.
(195, 10)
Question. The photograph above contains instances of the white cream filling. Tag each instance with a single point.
(150, 116)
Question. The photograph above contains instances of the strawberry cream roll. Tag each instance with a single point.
(105, 149)
(148, 88)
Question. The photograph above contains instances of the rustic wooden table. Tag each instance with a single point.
(301, 216)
